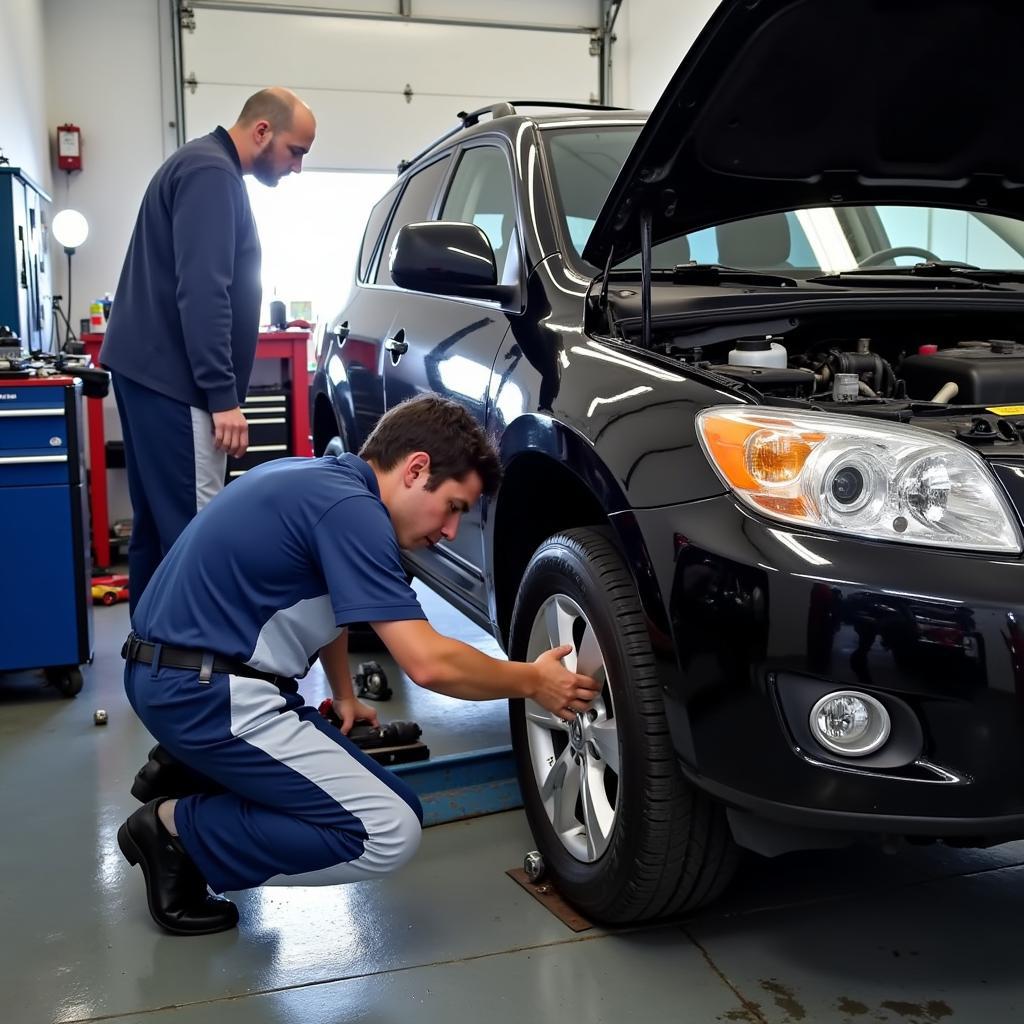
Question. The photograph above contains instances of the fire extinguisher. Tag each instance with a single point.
(69, 147)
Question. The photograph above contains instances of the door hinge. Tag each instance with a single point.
(192, 82)
(187, 16)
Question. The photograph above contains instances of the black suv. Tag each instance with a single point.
(754, 366)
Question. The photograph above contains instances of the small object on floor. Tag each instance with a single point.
(390, 743)
(370, 682)
(546, 894)
(533, 865)
(110, 589)
(99, 717)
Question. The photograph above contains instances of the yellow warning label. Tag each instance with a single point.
(1007, 410)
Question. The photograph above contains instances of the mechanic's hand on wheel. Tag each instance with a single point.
(231, 432)
(562, 692)
(350, 711)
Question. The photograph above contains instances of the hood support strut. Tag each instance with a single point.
(645, 274)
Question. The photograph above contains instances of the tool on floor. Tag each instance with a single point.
(99, 717)
(370, 682)
(390, 743)
(533, 865)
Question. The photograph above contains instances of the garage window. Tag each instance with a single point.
(415, 205)
(310, 227)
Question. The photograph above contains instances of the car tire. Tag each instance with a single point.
(668, 847)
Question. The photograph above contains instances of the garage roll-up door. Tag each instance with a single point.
(381, 89)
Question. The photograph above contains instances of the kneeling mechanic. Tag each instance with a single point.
(261, 583)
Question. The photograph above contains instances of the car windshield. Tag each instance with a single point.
(585, 163)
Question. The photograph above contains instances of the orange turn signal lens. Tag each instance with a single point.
(757, 452)
(774, 458)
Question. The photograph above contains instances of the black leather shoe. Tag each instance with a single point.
(178, 899)
(163, 776)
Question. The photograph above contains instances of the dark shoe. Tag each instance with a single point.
(176, 891)
(163, 776)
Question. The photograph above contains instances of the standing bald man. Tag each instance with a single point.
(183, 329)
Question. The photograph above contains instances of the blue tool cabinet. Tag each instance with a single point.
(46, 570)
(24, 259)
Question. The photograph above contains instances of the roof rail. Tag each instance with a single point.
(503, 109)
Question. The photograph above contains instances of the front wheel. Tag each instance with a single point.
(622, 832)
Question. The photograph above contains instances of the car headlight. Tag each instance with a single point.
(848, 475)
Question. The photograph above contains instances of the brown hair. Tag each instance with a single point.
(455, 442)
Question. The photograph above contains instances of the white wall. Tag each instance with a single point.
(23, 120)
(102, 60)
(103, 74)
(652, 39)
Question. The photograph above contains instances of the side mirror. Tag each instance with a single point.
(447, 258)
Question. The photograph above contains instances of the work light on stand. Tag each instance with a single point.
(71, 230)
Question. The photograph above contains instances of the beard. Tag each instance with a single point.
(263, 169)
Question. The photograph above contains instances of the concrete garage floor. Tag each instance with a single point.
(854, 936)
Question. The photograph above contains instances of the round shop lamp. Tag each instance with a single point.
(71, 229)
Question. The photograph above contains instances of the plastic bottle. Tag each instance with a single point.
(97, 321)
(758, 352)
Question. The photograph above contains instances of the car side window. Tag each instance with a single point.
(481, 193)
(374, 226)
(415, 205)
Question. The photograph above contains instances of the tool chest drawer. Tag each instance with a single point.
(42, 428)
(268, 414)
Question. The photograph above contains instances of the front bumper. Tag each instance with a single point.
(764, 619)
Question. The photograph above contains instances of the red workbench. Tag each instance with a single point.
(289, 346)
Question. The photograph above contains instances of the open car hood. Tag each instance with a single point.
(788, 104)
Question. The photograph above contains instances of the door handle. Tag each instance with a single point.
(397, 345)
(339, 334)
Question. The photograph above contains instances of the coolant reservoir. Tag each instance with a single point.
(758, 352)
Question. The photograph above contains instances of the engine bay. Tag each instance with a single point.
(904, 365)
(975, 372)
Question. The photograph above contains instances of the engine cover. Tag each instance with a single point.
(985, 373)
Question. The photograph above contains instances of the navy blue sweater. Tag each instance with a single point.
(186, 313)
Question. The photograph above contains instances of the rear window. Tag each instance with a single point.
(374, 226)
(415, 205)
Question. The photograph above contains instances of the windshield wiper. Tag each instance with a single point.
(716, 273)
(935, 274)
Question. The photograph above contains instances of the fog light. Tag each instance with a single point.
(848, 723)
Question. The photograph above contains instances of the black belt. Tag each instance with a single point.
(204, 662)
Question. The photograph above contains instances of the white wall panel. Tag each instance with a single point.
(23, 124)
(653, 37)
(535, 12)
(542, 12)
(353, 73)
(117, 103)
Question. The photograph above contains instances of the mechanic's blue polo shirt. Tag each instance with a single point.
(272, 568)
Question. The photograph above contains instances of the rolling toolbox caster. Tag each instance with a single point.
(67, 680)
(533, 865)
